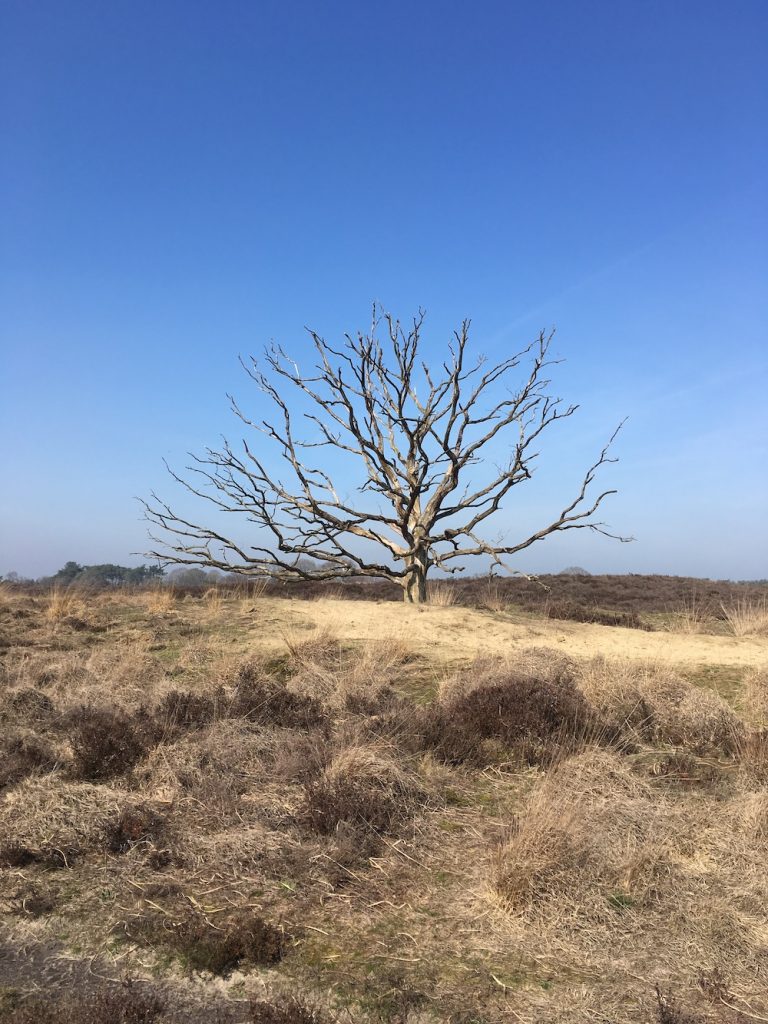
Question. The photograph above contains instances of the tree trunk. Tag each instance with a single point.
(415, 588)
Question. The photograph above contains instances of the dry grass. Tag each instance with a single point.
(754, 700)
(650, 704)
(692, 616)
(362, 786)
(306, 815)
(442, 594)
(593, 834)
(324, 668)
(494, 597)
(161, 599)
(61, 603)
(213, 601)
(747, 616)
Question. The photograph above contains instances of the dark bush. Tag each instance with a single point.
(330, 802)
(629, 619)
(669, 1011)
(118, 1004)
(287, 1010)
(529, 718)
(31, 902)
(266, 700)
(134, 826)
(362, 789)
(30, 705)
(106, 742)
(243, 938)
(159, 859)
(21, 755)
(18, 855)
(182, 711)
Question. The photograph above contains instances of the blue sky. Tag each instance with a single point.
(182, 182)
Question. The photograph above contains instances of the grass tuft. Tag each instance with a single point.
(747, 616)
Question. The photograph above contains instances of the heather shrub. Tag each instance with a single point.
(287, 1010)
(136, 825)
(23, 753)
(181, 711)
(516, 716)
(585, 613)
(27, 705)
(118, 1004)
(107, 742)
(245, 938)
(361, 786)
(266, 700)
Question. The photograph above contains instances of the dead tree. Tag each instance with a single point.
(416, 437)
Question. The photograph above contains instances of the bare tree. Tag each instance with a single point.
(417, 437)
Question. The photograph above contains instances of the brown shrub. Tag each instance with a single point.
(245, 938)
(302, 756)
(123, 1004)
(266, 700)
(287, 1010)
(107, 742)
(28, 705)
(585, 613)
(32, 902)
(361, 786)
(136, 825)
(22, 754)
(518, 716)
(181, 711)
(16, 855)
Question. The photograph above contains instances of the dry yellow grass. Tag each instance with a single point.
(411, 889)
(458, 635)
(747, 617)
(593, 838)
(754, 699)
(161, 599)
(61, 603)
(442, 594)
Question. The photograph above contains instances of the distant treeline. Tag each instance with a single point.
(109, 575)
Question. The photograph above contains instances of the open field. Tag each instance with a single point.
(269, 810)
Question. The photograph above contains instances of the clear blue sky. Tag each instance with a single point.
(183, 181)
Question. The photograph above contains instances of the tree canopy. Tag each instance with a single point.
(417, 433)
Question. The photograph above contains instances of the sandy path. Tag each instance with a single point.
(461, 634)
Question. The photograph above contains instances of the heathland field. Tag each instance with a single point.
(245, 807)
